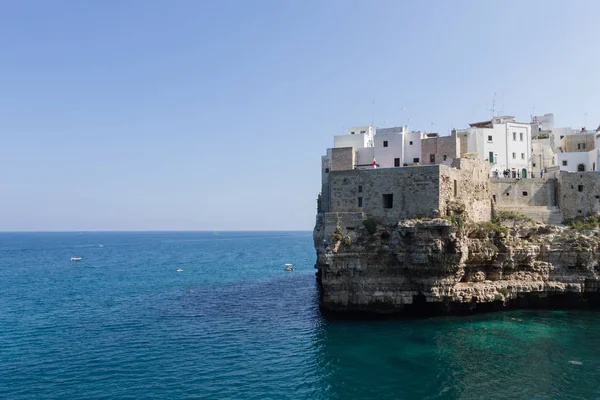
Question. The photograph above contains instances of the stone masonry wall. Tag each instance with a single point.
(579, 193)
(523, 192)
(342, 158)
(439, 147)
(465, 186)
(414, 192)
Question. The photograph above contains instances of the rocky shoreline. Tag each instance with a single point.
(446, 266)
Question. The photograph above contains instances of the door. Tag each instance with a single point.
(523, 173)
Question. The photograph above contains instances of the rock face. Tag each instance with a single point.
(424, 267)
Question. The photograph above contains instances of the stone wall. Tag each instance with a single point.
(523, 192)
(342, 158)
(578, 143)
(579, 193)
(465, 186)
(443, 149)
(414, 192)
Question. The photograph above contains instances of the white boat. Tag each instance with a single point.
(75, 258)
(288, 267)
(179, 269)
(100, 245)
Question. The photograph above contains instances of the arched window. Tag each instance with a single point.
(581, 168)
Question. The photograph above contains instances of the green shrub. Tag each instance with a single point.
(581, 223)
(371, 225)
(337, 234)
(456, 220)
(514, 216)
(347, 241)
(493, 226)
(503, 291)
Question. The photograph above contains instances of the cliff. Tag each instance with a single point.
(445, 266)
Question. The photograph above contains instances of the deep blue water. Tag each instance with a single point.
(122, 323)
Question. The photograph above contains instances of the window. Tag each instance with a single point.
(445, 157)
(521, 136)
(580, 146)
(580, 188)
(385, 143)
(515, 136)
(360, 202)
(363, 131)
(562, 136)
(326, 170)
(522, 156)
(396, 162)
(359, 188)
(432, 158)
(410, 142)
(352, 133)
(524, 193)
(514, 155)
(533, 164)
(491, 157)
(564, 163)
(416, 160)
(489, 138)
(388, 200)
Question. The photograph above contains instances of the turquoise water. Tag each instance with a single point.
(122, 323)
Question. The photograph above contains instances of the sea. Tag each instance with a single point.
(123, 323)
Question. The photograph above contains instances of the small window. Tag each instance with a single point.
(514, 136)
(432, 158)
(445, 157)
(580, 212)
(385, 143)
(388, 200)
(396, 162)
(524, 193)
(360, 202)
(489, 138)
(410, 142)
(416, 160)
(521, 136)
(562, 136)
(522, 156)
(514, 155)
(359, 188)
(533, 164)
(352, 133)
(326, 170)
(564, 163)
(363, 131)
(580, 188)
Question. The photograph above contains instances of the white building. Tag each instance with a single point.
(357, 138)
(503, 142)
(388, 147)
(581, 161)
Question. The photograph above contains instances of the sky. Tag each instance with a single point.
(213, 115)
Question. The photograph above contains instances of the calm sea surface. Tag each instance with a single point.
(123, 323)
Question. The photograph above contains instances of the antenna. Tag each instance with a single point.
(584, 120)
(373, 114)
(493, 105)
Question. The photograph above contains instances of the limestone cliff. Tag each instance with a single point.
(443, 266)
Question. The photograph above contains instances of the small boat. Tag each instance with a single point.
(179, 269)
(75, 258)
(100, 245)
(288, 267)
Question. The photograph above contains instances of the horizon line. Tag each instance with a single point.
(157, 231)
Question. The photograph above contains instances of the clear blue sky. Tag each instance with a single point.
(156, 115)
